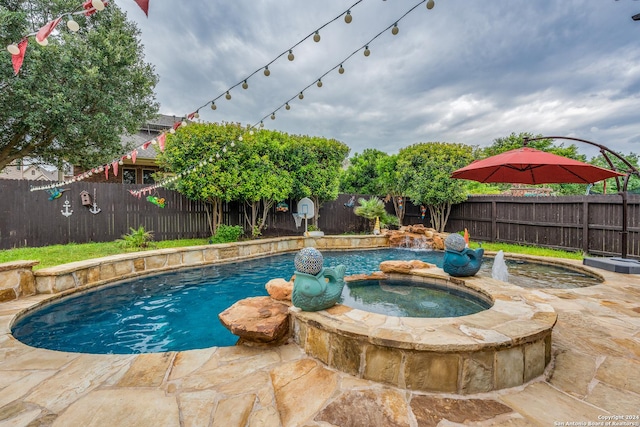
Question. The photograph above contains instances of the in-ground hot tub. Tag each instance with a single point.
(504, 346)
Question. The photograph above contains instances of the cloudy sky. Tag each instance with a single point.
(465, 71)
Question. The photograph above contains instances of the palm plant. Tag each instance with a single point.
(372, 209)
(136, 239)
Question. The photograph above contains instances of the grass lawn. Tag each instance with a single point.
(50, 256)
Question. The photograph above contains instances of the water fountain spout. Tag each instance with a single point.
(499, 270)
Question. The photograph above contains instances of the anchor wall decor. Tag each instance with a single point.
(94, 209)
(67, 208)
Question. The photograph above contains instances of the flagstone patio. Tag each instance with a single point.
(594, 375)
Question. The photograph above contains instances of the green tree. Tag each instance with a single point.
(264, 179)
(390, 184)
(219, 178)
(315, 164)
(74, 98)
(610, 184)
(362, 174)
(425, 171)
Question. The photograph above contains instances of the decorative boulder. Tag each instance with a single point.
(403, 266)
(309, 261)
(279, 289)
(257, 319)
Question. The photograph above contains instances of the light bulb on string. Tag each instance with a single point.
(395, 29)
(213, 105)
(341, 69)
(245, 85)
(430, 4)
(319, 84)
(42, 42)
(290, 57)
(172, 130)
(367, 52)
(97, 4)
(348, 18)
(287, 106)
(184, 123)
(273, 116)
(73, 25)
(266, 71)
(196, 115)
(13, 49)
(300, 95)
(316, 37)
(261, 124)
(228, 95)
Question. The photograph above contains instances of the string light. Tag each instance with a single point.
(287, 106)
(13, 49)
(97, 5)
(316, 37)
(319, 84)
(228, 95)
(430, 4)
(213, 105)
(266, 71)
(73, 25)
(273, 116)
(340, 66)
(395, 29)
(290, 57)
(348, 18)
(245, 85)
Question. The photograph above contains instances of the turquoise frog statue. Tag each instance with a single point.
(459, 260)
(316, 287)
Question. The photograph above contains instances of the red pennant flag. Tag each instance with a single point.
(191, 116)
(106, 172)
(176, 125)
(161, 139)
(144, 5)
(114, 164)
(17, 59)
(146, 145)
(46, 29)
(134, 155)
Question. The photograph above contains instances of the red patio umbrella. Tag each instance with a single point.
(530, 166)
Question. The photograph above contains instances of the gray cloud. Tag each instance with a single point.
(465, 71)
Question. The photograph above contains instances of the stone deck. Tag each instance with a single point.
(594, 374)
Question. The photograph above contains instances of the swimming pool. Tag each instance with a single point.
(174, 311)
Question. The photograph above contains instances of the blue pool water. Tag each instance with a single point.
(410, 299)
(174, 311)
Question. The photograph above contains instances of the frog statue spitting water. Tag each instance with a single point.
(316, 287)
(459, 260)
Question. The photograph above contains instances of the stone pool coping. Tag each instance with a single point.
(507, 345)
(98, 271)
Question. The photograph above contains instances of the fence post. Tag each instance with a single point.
(494, 226)
(585, 226)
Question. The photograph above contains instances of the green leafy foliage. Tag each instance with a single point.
(227, 234)
(362, 176)
(74, 98)
(425, 172)
(136, 239)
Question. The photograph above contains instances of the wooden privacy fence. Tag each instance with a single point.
(588, 223)
(30, 219)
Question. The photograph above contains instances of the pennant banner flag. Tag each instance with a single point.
(46, 29)
(17, 59)
(161, 140)
(144, 5)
